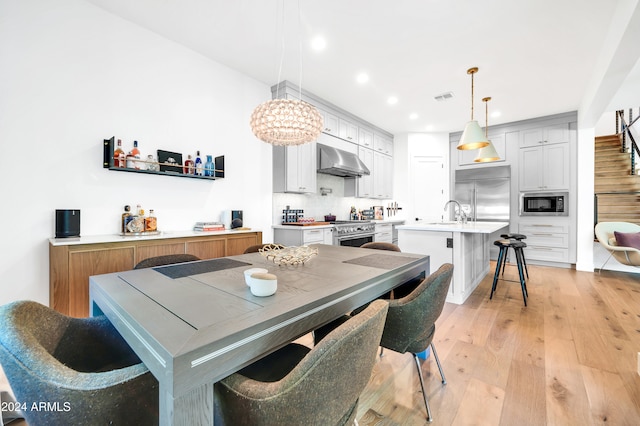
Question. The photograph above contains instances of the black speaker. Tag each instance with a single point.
(236, 219)
(67, 223)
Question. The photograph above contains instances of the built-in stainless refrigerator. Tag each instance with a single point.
(484, 194)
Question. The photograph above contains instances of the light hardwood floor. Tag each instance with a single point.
(569, 358)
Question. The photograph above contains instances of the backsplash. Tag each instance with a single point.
(317, 205)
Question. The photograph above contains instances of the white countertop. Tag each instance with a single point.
(116, 238)
(301, 227)
(470, 227)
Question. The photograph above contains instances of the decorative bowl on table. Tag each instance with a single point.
(288, 256)
(263, 284)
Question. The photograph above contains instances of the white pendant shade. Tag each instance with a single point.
(473, 137)
(487, 154)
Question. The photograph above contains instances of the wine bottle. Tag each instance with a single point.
(118, 156)
(199, 165)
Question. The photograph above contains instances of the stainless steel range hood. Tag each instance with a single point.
(337, 162)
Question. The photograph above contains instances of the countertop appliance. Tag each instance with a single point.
(352, 233)
(544, 204)
(484, 193)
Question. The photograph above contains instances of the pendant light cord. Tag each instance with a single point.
(282, 46)
(472, 95)
(300, 48)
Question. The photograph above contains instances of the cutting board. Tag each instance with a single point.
(306, 223)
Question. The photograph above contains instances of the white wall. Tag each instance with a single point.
(72, 75)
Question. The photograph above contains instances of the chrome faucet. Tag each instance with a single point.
(461, 212)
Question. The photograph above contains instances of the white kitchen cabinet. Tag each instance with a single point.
(365, 137)
(365, 182)
(302, 235)
(382, 144)
(544, 168)
(545, 135)
(547, 238)
(331, 123)
(294, 168)
(328, 236)
(347, 130)
(382, 176)
(383, 233)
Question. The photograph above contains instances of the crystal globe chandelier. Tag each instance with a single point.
(287, 122)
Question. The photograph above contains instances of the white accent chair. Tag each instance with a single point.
(605, 235)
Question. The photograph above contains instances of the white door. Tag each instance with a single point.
(430, 188)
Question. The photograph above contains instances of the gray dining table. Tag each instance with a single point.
(195, 323)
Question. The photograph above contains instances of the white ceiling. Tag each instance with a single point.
(535, 57)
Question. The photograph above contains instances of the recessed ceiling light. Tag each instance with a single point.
(495, 114)
(443, 96)
(392, 100)
(413, 116)
(318, 43)
(362, 78)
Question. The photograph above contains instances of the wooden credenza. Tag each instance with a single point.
(73, 261)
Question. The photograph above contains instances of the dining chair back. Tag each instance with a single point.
(300, 386)
(81, 367)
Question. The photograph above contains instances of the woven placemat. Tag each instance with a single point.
(193, 268)
(381, 261)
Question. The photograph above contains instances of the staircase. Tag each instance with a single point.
(613, 179)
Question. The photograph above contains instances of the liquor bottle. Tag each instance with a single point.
(188, 166)
(151, 222)
(136, 224)
(131, 161)
(126, 217)
(118, 156)
(199, 165)
(136, 153)
(208, 167)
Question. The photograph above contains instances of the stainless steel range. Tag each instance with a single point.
(352, 233)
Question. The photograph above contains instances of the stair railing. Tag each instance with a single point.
(625, 132)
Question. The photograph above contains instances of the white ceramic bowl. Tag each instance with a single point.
(263, 284)
(248, 272)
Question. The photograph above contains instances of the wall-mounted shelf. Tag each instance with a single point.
(109, 147)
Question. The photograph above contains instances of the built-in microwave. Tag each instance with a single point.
(544, 204)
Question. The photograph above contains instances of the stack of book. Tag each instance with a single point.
(208, 226)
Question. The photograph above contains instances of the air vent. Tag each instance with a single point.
(444, 96)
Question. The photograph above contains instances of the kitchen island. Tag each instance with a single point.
(466, 246)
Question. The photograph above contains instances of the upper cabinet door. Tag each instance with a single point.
(545, 135)
(365, 137)
(348, 130)
(331, 125)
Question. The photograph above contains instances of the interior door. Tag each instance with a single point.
(430, 184)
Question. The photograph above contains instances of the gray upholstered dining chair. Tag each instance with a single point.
(300, 386)
(410, 324)
(167, 259)
(381, 245)
(411, 321)
(256, 248)
(82, 367)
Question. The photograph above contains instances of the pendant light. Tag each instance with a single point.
(287, 121)
(472, 137)
(488, 153)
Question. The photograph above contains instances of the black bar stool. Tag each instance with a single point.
(517, 237)
(518, 247)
